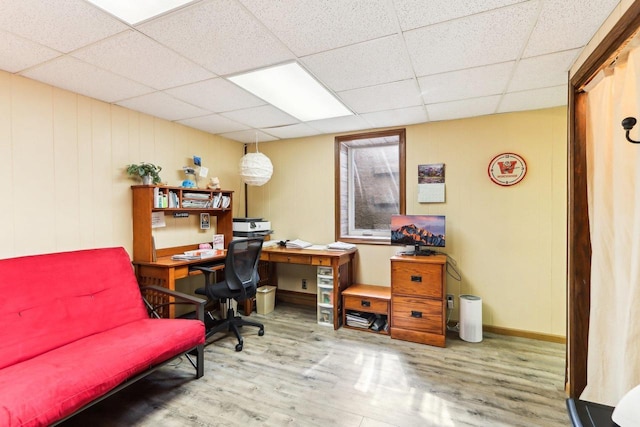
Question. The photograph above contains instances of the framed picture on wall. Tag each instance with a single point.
(205, 221)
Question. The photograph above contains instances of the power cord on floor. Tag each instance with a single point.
(452, 270)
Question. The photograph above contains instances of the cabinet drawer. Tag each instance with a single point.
(410, 278)
(320, 260)
(292, 259)
(417, 314)
(371, 305)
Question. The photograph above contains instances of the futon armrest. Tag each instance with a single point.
(157, 299)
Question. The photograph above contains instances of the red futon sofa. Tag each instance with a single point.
(74, 329)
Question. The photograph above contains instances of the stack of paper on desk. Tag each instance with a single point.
(297, 244)
(197, 254)
(340, 246)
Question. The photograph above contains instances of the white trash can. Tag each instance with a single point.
(265, 299)
(470, 318)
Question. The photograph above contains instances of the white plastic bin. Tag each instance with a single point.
(470, 318)
(265, 299)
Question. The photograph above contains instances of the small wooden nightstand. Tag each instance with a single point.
(367, 299)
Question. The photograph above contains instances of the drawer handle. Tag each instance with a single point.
(365, 303)
(417, 314)
(416, 278)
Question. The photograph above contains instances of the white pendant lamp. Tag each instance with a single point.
(255, 168)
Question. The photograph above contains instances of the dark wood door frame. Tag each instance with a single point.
(579, 243)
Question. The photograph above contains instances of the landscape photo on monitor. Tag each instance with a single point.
(418, 230)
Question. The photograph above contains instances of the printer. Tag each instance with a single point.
(251, 227)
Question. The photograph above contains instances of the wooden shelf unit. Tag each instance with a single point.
(418, 306)
(368, 299)
(143, 207)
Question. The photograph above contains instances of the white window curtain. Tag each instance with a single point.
(613, 185)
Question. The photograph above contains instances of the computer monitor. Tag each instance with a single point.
(418, 231)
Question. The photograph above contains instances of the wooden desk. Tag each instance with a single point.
(341, 263)
(165, 271)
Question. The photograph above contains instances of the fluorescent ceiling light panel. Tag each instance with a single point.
(292, 89)
(135, 11)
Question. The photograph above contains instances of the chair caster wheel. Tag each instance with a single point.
(238, 347)
(261, 332)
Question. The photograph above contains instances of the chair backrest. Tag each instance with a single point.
(241, 266)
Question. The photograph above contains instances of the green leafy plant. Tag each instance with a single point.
(145, 169)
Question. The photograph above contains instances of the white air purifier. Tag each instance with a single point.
(470, 318)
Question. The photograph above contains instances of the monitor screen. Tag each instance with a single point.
(418, 230)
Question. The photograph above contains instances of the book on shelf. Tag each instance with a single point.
(218, 241)
(297, 244)
(375, 322)
(360, 320)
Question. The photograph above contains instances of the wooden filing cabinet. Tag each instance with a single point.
(418, 307)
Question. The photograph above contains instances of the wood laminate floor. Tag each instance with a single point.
(304, 374)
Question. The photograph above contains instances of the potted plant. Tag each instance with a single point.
(147, 171)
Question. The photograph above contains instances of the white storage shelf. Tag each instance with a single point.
(325, 296)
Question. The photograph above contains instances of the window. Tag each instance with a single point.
(370, 185)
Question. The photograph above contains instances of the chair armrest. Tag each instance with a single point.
(156, 298)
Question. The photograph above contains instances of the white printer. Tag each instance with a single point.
(251, 227)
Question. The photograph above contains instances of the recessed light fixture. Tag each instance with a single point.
(134, 12)
(293, 90)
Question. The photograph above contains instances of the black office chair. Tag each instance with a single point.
(240, 283)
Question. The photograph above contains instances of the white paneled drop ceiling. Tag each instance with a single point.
(391, 62)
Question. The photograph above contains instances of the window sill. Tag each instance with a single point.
(365, 240)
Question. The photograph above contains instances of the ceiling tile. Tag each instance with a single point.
(360, 64)
(17, 53)
(471, 42)
(220, 35)
(217, 95)
(139, 58)
(293, 131)
(61, 25)
(543, 71)
(418, 13)
(388, 96)
(161, 105)
(316, 26)
(249, 136)
(402, 116)
(534, 99)
(86, 79)
(214, 123)
(469, 83)
(340, 124)
(465, 108)
(564, 25)
(261, 117)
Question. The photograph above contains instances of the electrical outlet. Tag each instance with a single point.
(450, 301)
(304, 283)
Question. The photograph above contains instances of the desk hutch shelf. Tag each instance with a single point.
(146, 199)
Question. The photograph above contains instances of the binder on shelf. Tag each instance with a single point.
(216, 201)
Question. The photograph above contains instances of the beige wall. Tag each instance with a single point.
(62, 160)
(508, 242)
(62, 157)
